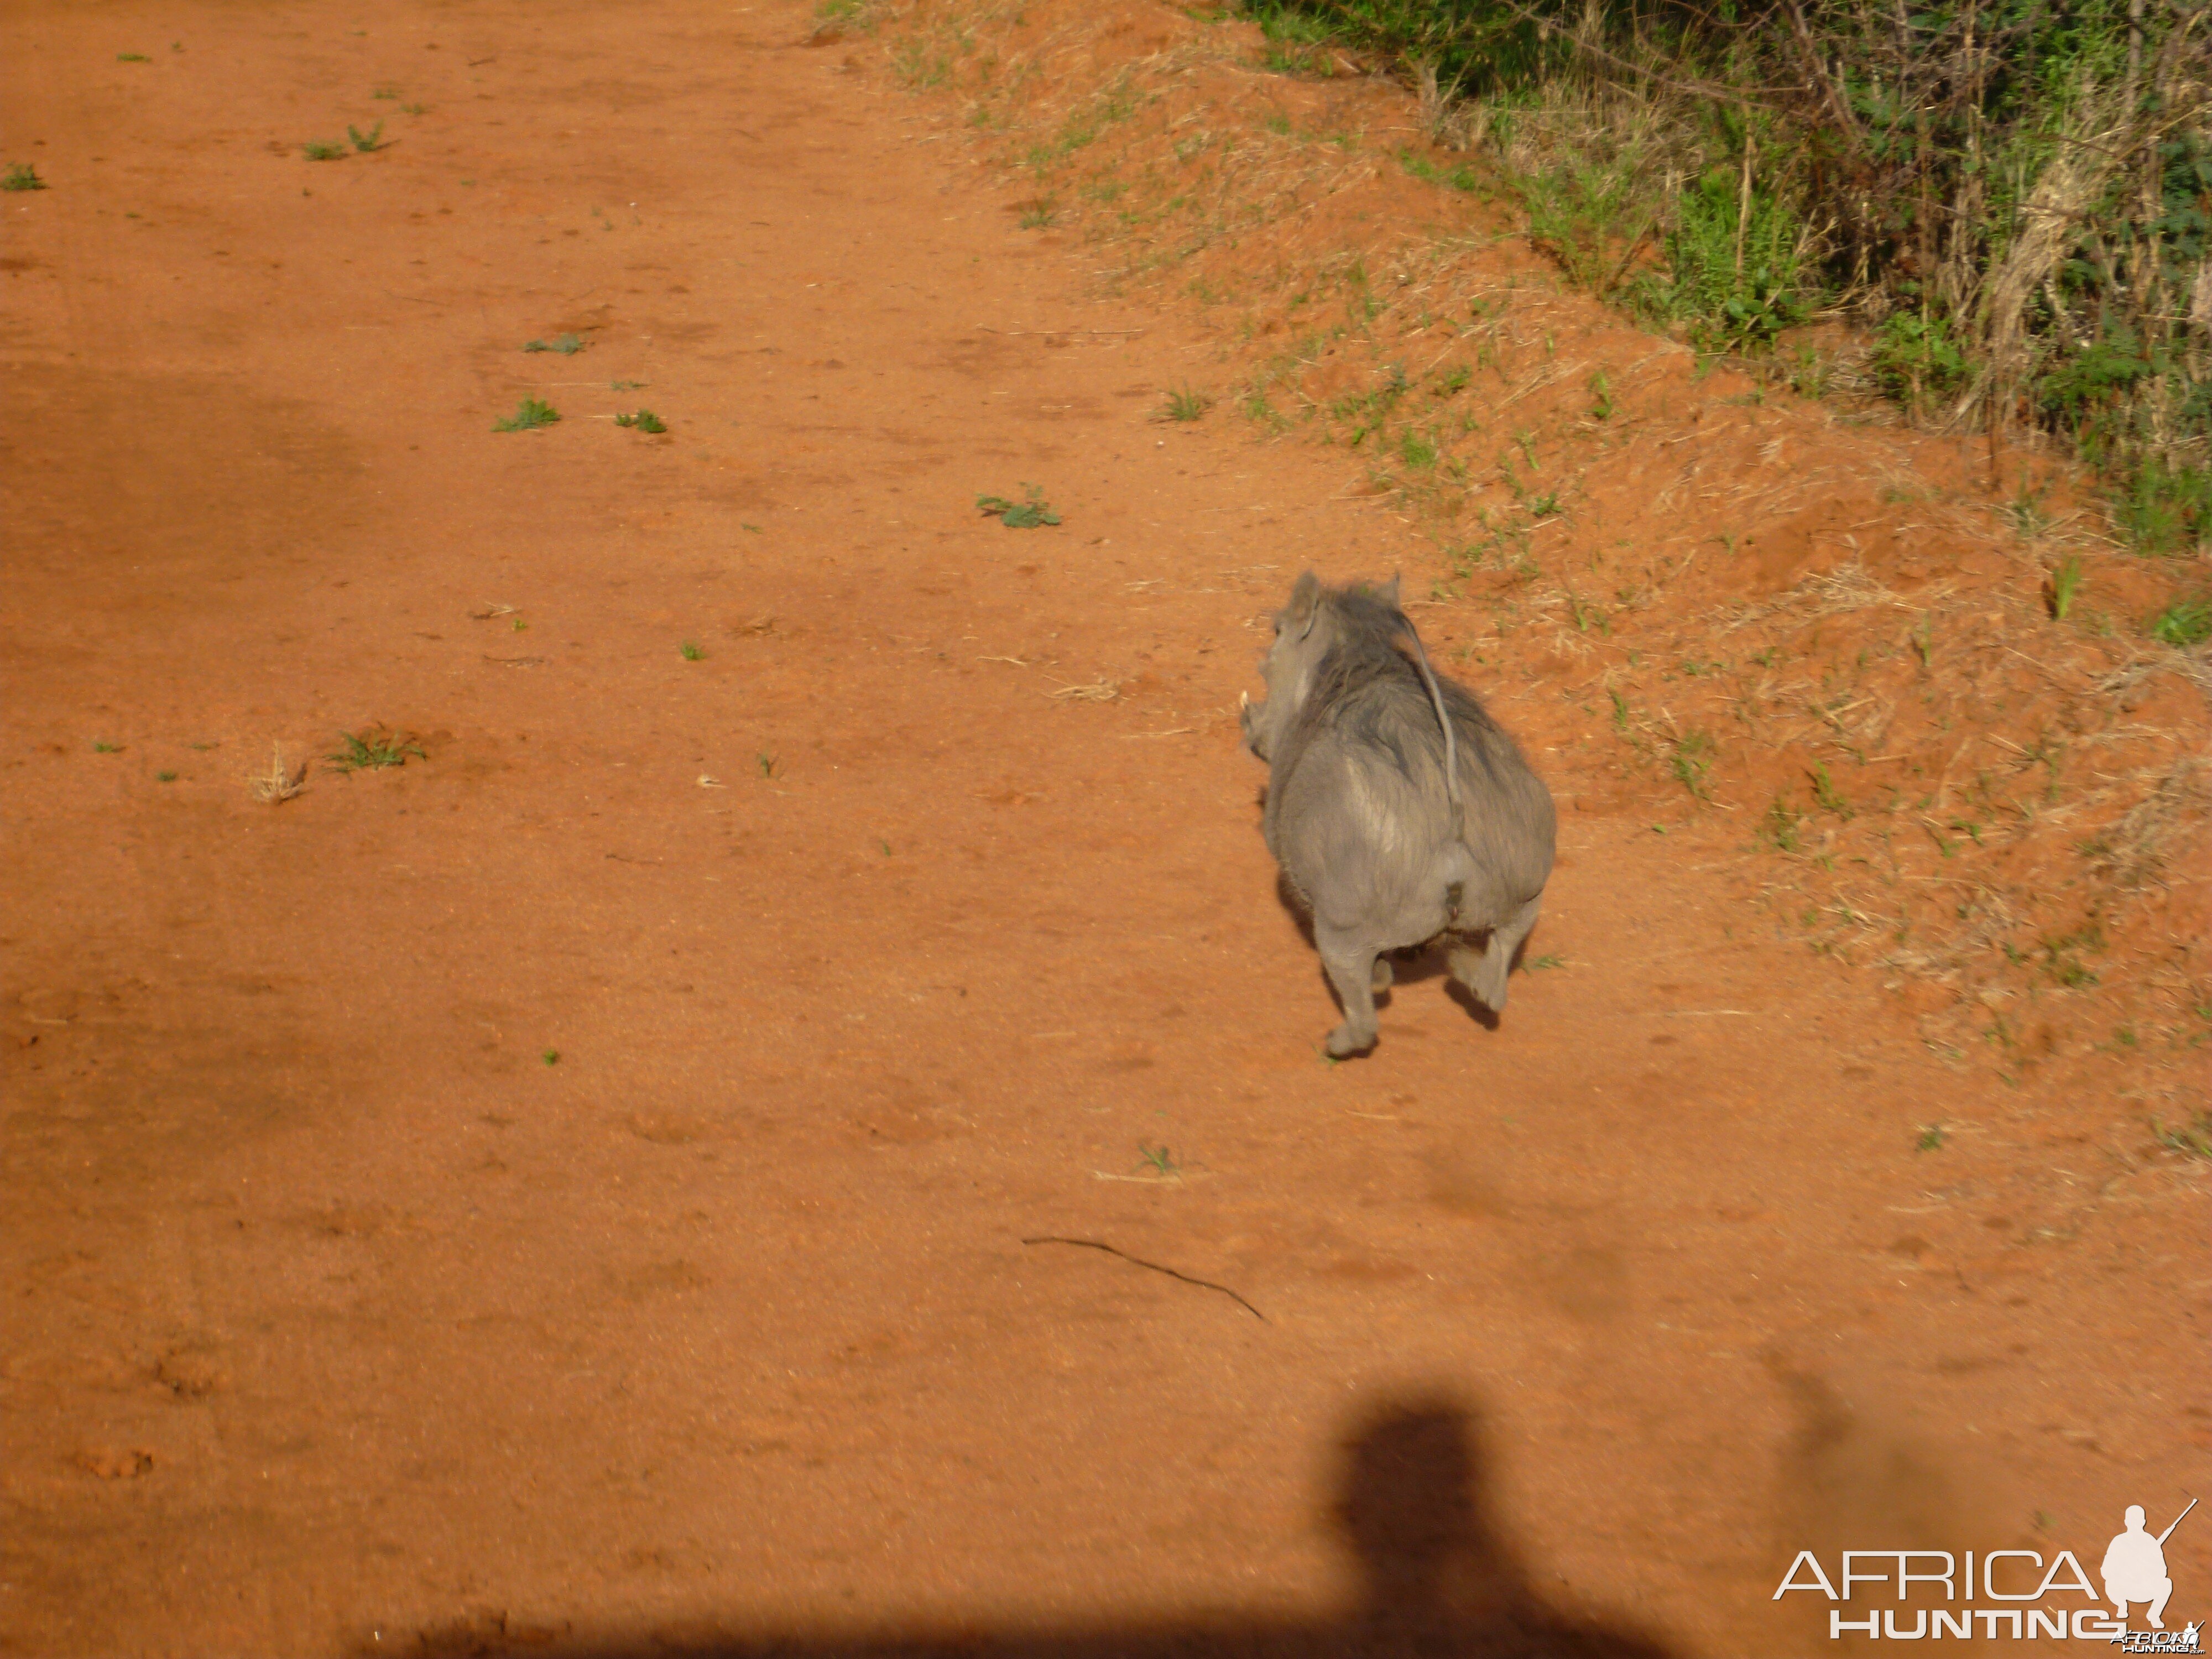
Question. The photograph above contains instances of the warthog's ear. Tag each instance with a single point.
(1305, 605)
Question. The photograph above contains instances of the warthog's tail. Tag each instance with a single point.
(1437, 702)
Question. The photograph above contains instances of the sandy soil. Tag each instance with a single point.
(603, 1186)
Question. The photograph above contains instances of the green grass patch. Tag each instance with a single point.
(372, 749)
(1459, 177)
(2193, 1138)
(530, 415)
(1691, 762)
(2185, 622)
(1028, 513)
(1185, 404)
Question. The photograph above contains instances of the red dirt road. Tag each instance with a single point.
(570, 1192)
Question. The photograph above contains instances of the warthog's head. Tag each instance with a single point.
(1305, 628)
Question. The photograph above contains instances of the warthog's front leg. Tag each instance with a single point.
(1350, 962)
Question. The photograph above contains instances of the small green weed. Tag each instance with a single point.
(1809, 372)
(645, 420)
(692, 650)
(920, 66)
(1541, 963)
(1603, 405)
(414, 109)
(1159, 1160)
(2184, 622)
(1459, 177)
(132, 58)
(2065, 583)
(101, 747)
(367, 143)
(767, 764)
(1931, 1138)
(2165, 508)
(1826, 795)
(2193, 1138)
(566, 344)
(2028, 519)
(1025, 514)
(324, 150)
(1042, 214)
(165, 777)
(21, 175)
(551, 1056)
(832, 17)
(391, 93)
(2062, 961)
(1693, 761)
(1185, 405)
(1778, 828)
(372, 749)
(1589, 617)
(530, 415)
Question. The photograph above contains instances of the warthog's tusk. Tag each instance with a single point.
(1243, 699)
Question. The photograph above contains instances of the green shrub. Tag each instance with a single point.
(1917, 360)
(1738, 279)
(1906, 167)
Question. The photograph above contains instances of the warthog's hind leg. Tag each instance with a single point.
(1483, 972)
(1353, 969)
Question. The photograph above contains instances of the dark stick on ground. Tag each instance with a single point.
(1203, 1283)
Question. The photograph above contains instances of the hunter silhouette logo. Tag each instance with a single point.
(2133, 1570)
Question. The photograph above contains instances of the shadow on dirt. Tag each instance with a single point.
(1439, 1579)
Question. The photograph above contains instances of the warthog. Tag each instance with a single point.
(1399, 811)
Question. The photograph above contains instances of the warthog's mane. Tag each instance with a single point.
(1369, 688)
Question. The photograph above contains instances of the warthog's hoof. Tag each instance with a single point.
(1344, 1042)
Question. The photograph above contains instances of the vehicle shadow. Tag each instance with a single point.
(1439, 1580)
